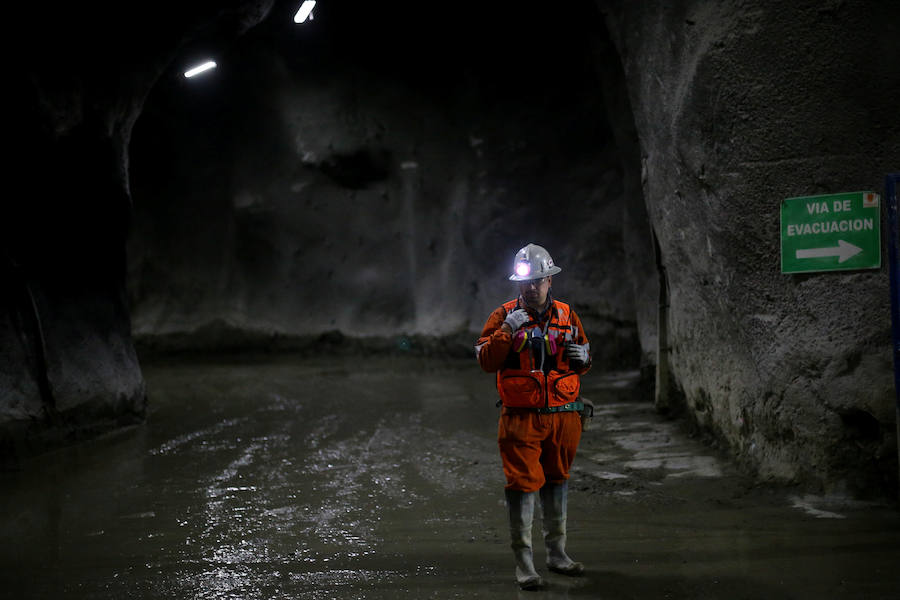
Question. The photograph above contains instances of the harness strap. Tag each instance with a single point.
(577, 405)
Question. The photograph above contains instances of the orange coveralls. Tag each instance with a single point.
(535, 447)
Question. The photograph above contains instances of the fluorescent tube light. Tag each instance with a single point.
(200, 68)
(305, 11)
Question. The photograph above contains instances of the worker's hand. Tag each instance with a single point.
(578, 353)
(516, 319)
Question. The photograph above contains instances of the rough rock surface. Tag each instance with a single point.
(363, 183)
(68, 367)
(737, 106)
(344, 178)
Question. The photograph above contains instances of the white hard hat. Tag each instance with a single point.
(533, 262)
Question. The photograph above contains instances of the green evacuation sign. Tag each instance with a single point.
(834, 232)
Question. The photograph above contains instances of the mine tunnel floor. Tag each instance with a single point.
(353, 477)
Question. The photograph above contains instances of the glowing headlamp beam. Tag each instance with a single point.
(305, 11)
(200, 69)
(523, 269)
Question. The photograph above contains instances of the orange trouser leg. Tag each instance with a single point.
(558, 450)
(537, 448)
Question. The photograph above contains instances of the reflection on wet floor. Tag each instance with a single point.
(380, 478)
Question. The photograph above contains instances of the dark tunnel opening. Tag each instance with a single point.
(359, 169)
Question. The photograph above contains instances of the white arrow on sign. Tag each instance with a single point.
(844, 250)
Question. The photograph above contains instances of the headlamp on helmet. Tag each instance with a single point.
(523, 269)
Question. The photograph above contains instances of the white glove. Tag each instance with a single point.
(517, 318)
(578, 353)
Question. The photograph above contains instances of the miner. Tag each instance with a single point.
(538, 348)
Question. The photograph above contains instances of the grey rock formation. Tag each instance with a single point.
(304, 188)
(737, 106)
(68, 368)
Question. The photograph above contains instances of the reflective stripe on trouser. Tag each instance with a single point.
(537, 448)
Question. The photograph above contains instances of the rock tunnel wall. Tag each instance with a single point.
(375, 184)
(350, 180)
(737, 106)
(349, 187)
(68, 366)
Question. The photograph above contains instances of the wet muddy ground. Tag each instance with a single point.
(380, 478)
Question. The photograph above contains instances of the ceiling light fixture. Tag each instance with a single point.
(200, 69)
(305, 11)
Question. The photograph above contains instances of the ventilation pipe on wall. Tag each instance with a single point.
(661, 395)
(890, 193)
(17, 275)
